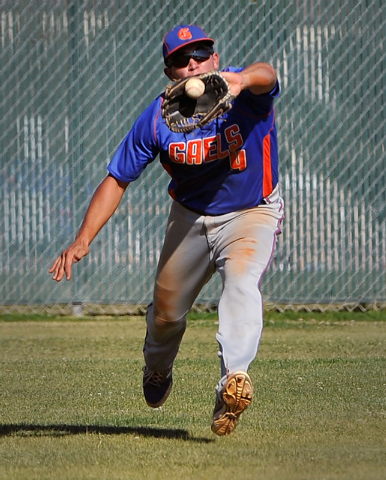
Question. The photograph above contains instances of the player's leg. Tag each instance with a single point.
(184, 268)
(244, 251)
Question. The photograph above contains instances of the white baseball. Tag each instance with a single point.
(194, 88)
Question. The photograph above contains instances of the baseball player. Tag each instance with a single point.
(225, 215)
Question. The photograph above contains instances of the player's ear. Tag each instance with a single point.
(168, 73)
(216, 60)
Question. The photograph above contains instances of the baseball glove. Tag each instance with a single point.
(184, 114)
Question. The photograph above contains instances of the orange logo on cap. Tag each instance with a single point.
(184, 34)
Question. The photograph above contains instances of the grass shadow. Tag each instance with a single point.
(24, 429)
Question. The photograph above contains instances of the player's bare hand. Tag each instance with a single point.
(235, 81)
(63, 264)
(259, 78)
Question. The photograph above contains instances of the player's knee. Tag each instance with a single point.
(165, 308)
(162, 324)
(161, 317)
(165, 319)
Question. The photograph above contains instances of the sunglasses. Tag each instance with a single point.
(182, 60)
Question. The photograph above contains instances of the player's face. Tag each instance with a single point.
(191, 61)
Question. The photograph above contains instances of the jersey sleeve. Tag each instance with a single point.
(138, 148)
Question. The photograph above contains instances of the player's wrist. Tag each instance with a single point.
(245, 81)
(83, 239)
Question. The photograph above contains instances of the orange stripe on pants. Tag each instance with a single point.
(267, 167)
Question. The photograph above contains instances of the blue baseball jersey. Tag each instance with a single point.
(228, 165)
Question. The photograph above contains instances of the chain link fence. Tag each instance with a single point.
(76, 74)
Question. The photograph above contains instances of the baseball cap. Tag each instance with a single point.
(181, 36)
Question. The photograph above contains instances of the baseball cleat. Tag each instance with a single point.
(235, 397)
(157, 386)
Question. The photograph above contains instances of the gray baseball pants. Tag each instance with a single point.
(239, 246)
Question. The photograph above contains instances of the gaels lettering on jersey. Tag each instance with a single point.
(209, 149)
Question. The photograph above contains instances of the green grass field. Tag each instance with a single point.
(71, 404)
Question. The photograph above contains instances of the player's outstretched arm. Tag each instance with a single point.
(258, 77)
(103, 204)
